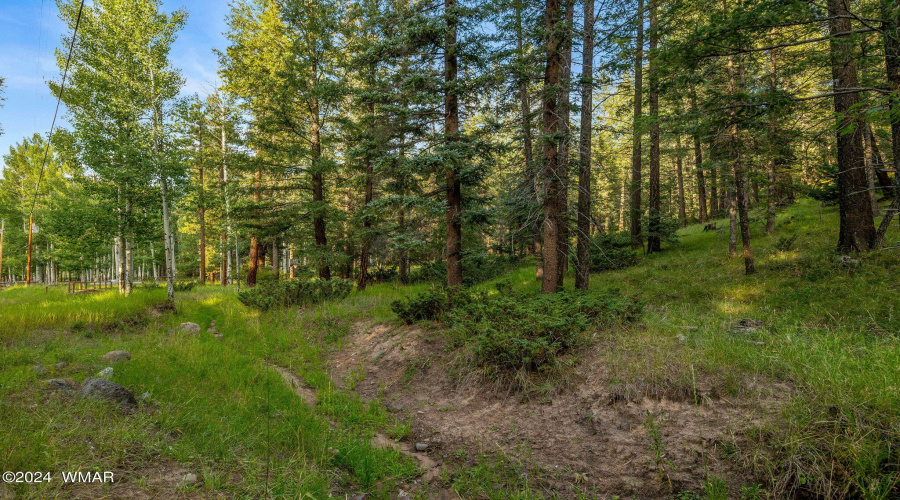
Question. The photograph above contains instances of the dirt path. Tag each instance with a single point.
(593, 437)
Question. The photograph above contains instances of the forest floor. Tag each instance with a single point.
(782, 384)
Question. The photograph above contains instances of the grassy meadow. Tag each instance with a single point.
(830, 334)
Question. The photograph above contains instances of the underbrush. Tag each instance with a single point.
(508, 331)
(477, 267)
(295, 292)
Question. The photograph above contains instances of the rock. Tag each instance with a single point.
(105, 373)
(99, 388)
(39, 369)
(681, 338)
(394, 406)
(61, 365)
(189, 478)
(747, 325)
(116, 357)
(212, 330)
(64, 385)
(218, 335)
(421, 446)
(189, 327)
(360, 496)
(145, 397)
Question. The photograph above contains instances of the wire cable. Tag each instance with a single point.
(62, 88)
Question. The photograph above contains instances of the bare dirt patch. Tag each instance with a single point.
(598, 434)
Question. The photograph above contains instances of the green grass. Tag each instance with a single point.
(831, 334)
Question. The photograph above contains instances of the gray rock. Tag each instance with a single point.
(189, 327)
(105, 373)
(394, 406)
(212, 330)
(116, 357)
(145, 397)
(189, 478)
(39, 369)
(61, 365)
(98, 388)
(421, 446)
(218, 335)
(64, 385)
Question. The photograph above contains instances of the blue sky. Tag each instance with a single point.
(30, 30)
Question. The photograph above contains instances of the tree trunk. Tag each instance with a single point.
(318, 184)
(553, 196)
(565, 110)
(653, 229)
(367, 219)
(857, 225)
(772, 171)
(253, 268)
(169, 241)
(890, 16)
(582, 271)
(732, 224)
(636, 237)
(451, 131)
(698, 166)
(740, 182)
(679, 180)
(202, 231)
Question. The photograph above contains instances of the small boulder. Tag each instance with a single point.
(189, 327)
(64, 385)
(61, 365)
(394, 406)
(113, 357)
(218, 335)
(189, 478)
(98, 388)
(421, 446)
(105, 373)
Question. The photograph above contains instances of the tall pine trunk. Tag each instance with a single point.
(636, 237)
(679, 180)
(318, 185)
(655, 210)
(857, 225)
(582, 270)
(890, 27)
(451, 131)
(553, 195)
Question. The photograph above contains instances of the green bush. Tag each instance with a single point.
(612, 251)
(185, 286)
(430, 305)
(478, 267)
(294, 292)
(509, 332)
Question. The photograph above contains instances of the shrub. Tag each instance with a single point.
(508, 332)
(185, 286)
(612, 251)
(511, 331)
(383, 274)
(430, 305)
(294, 292)
(478, 267)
